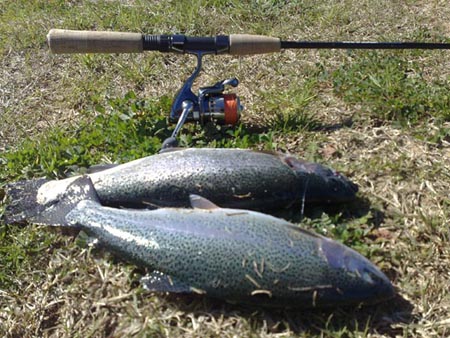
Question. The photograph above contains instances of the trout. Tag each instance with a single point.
(236, 255)
(233, 178)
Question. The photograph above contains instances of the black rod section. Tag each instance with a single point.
(362, 45)
(183, 44)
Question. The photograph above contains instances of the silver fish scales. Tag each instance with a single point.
(235, 255)
(234, 178)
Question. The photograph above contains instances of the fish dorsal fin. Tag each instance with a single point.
(199, 202)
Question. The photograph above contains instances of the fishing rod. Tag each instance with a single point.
(211, 103)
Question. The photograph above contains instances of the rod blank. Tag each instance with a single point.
(361, 45)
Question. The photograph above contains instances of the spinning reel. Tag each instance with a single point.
(211, 104)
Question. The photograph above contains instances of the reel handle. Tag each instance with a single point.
(72, 41)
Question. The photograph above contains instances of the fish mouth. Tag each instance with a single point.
(340, 187)
(359, 279)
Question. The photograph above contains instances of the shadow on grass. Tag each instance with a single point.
(345, 123)
(385, 318)
(357, 208)
(253, 132)
(248, 135)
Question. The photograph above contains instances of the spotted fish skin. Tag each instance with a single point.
(233, 178)
(236, 255)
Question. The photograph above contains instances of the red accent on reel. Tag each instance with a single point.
(231, 109)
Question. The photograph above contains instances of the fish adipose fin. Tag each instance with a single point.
(55, 211)
(23, 197)
(157, 281)
(198, 202)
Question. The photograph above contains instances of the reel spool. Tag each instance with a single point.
(210, 105)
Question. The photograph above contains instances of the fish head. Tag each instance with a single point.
(320, 183)
(354, 277)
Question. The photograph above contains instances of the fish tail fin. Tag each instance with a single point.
(81, 189)
(54, 212)
(23, 197)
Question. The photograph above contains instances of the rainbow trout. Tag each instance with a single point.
(231, 254)
(234, 178)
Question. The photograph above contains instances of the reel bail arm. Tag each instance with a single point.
(211, 104)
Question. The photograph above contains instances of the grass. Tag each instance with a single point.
(391, 88)
(382, 118)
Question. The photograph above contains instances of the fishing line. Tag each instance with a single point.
(304, 199)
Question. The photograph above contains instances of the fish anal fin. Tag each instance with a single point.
(157, 281)
(84, 240)
(199, 202)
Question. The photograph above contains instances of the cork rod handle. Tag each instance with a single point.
(245, 44)
(69, 41)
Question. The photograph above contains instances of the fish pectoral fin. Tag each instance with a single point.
(157, 281)
(199, 202)
(84, 240)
